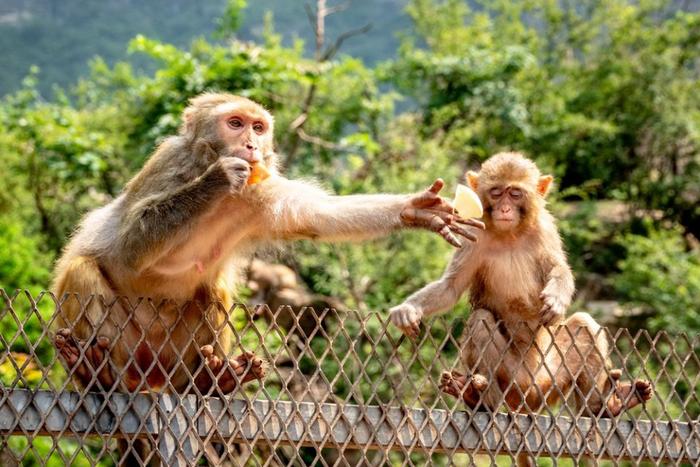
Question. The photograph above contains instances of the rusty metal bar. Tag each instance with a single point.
(182, 420)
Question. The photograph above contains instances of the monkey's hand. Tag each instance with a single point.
(236, 171)
(429, 211)
(407, 318)
(553, 306)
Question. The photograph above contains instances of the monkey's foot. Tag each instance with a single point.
(87, 370)
(627, 395)
(228, 373)
(467, 388)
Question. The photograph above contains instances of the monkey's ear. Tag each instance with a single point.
(544, 184)
(473, 179)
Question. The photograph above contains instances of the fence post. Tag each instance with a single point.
(178, 443)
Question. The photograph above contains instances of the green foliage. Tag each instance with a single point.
(604, 95)
(232, 18)
(20, 266)
(660, 273)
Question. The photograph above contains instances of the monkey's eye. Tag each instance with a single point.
(235, 123)
(516, 193)
(495, 192)
(258, 127)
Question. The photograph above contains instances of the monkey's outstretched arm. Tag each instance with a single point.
(435, 297)
(303, 211)
(151, 224)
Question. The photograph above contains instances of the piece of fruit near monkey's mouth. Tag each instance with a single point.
(467, 203)
(258, 173)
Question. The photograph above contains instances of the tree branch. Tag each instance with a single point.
(332, 50)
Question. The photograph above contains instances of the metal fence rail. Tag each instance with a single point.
(341, 388)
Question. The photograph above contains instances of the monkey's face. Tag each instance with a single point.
(505, 206)
(245, 129)
(512, 191)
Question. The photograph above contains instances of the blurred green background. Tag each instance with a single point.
(602, 94)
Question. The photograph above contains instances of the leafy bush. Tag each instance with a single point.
(662, 274)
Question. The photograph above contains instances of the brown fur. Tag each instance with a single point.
(176, 235)
(520, 286)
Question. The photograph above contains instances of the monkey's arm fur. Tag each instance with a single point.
(436, 297)
(157, 220)
(301, 210)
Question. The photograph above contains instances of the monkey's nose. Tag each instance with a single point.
(250, 147)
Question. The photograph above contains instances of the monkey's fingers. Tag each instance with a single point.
(471, 222)
(436, 186)
(430, 199)
(411, 331)
(97, 355)
(463, 232)
(69, 348)
(431, 221)
(447, 234)
(443, 224)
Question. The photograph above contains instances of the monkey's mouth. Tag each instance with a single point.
(504, 219)
(249, 155)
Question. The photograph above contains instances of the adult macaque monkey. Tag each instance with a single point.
(174, 235)
(520, 286)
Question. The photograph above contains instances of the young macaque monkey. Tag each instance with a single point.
(175, 235)
(517, 343)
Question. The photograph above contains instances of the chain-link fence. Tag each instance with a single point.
(146, 383)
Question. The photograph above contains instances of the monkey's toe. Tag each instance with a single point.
(248, 366)
(480, 382)
(229, 373)
(628, 395)
(467, 388)
(644, 390)
(448, 385)
(212, 361)
(258, 368)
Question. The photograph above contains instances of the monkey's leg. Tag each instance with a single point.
(581, 359)
(460, 386)
(585, 349)
(228, 372)
(486, 351)
(83, 315)
(93, 368)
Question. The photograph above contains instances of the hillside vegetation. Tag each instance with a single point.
(61, 37)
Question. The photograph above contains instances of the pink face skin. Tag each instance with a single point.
(506, 203)
(246, 131)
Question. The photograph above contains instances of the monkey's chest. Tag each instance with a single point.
(509, 286)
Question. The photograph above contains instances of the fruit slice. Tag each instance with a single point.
(467, 203)
(258, 173)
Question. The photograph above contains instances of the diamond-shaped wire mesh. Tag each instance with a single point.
(340, 388)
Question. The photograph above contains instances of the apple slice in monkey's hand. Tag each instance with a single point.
(258, 173)
(467, 203)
